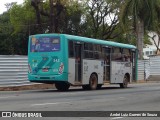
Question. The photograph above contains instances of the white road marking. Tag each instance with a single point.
(122, 97)
(72, 93)
(56, 103)
(115, 118)
(7, 97)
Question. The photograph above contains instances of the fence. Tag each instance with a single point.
(143, 69)
(154, 68)
(149, 69)
(155, 65)
(13, 70)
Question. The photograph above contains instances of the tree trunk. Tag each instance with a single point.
(35, 4)
(51, 17)
(140, 38)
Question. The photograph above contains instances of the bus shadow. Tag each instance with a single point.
(79, 89)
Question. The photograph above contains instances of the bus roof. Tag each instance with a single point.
(92, 40)
(98, 41)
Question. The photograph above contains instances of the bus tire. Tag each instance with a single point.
(62, 86)
(85, 87)
(125, 82)
(93, 82)
(99, 86)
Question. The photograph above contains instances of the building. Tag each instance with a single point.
(150, 50)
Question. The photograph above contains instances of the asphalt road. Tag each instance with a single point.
(137, 97)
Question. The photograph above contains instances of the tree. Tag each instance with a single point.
(39, 19)
(156, 40)
(22, 17)
(156, 35)
(35, 4)
(55, 10)
(73, 19)
(142, 13)
(11, 44)
(15, 28)
(101, 18)
(6, 46)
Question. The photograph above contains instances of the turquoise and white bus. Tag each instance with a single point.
(67, 60)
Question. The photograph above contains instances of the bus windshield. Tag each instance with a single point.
(45, 44)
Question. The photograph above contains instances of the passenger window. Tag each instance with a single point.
(97, 51)
(88, 50)
(116, 54)
(126, 55)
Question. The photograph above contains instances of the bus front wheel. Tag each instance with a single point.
(125, 82)
(99, 86)
(62, 86)
(93, 82)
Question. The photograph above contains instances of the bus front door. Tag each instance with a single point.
(133, 60)
(106, 57)
(78, 62)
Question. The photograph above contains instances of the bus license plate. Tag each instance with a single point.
(45, 70)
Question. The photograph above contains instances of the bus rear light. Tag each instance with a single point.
(45, 70)
(61, 68)
(29, 68)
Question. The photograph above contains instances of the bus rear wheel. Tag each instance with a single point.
(93, 82)
(62, 86)
(125, 82)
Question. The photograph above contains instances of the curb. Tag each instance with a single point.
(28, 87)
(51, 86)
(147, 81)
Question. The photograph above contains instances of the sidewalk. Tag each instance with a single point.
(51, 86)
(147, 81)
(28, 87)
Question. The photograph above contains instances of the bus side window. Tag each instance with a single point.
(97, 51)
(126, 55)
(90, 45)
(88, 50)
(71, 50)
(86, 54)
(116, 54)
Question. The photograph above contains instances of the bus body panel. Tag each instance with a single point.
(56, 66)
(92, 66)
(118, 71)
(48, 67)
(71, 71)
(98, 41)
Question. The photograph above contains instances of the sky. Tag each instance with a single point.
(3, 2)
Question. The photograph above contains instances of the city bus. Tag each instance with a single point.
(68, 60)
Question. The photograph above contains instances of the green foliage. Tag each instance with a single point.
(142, 14)
(101, 18)
(22, 17)
(10, 43)
(140, 10)
(113, 20)
(5, 30)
